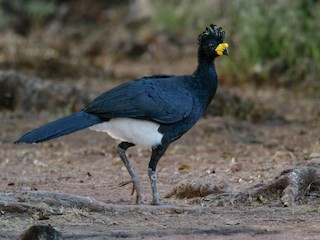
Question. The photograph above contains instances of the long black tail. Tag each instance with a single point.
(60, 127)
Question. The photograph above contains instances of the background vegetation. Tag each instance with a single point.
(271, 42)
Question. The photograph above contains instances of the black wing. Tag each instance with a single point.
(162, 98)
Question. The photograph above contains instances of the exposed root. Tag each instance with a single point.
(53, 203)
(49, 202)
(292, 185)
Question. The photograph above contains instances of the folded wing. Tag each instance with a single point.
(161, 98)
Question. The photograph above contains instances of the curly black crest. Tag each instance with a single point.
(212, 32)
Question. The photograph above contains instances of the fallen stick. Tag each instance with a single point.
(51, 203)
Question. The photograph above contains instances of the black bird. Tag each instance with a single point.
(152, 111)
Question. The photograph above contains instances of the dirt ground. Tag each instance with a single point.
(86, 164)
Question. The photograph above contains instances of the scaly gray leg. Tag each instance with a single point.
(121, 149)
(153, 181)
(157, 153)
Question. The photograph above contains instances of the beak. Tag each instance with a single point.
(222, 49)
(226, 52)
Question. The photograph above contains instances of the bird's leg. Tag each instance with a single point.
(157, 153)
(121, 149)
(153, 181)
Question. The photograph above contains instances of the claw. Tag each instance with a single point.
(124, 183)
(132, 189)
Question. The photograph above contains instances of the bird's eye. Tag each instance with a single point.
(211, 45)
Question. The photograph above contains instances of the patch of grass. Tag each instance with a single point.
(270, 41)
(279, 38)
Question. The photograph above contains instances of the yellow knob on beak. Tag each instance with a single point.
(222, 49)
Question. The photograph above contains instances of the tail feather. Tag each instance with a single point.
(60, 127)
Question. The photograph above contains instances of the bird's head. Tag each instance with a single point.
(211, 42)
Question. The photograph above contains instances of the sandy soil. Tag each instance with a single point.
(85, 163)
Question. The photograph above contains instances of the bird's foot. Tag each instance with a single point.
(139, 199)
(160, 203)
(135, 188)
(124, 183)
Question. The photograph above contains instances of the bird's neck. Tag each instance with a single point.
(206, 68)
(205, 64)
(206, 72)
(205, 80)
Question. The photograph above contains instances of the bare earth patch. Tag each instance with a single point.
(232, 155)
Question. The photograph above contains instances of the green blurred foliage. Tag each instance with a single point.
(38, 10)
(278, 38)
(271, 41)
(21, 15)
(268, 39)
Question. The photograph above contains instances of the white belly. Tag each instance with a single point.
(139, 132)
